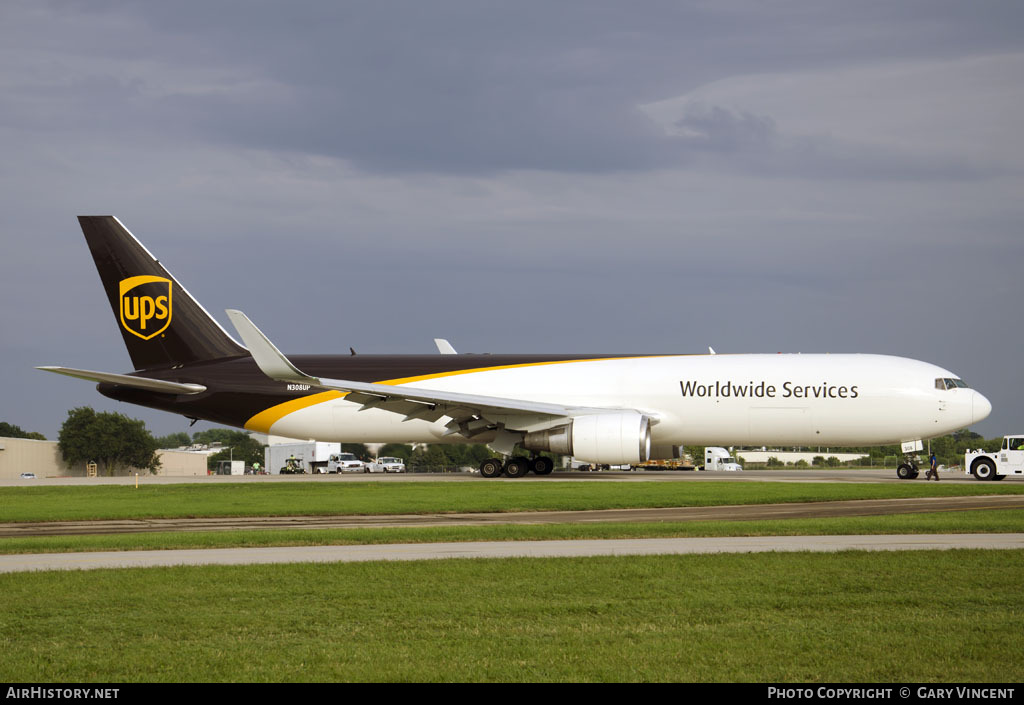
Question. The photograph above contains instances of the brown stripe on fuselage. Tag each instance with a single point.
(237, 391)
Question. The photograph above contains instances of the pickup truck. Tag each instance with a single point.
(386, 464)
(345, 462)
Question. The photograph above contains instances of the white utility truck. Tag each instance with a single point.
(1008, 460)
(345, 462)
(719, 459)
(388, 464)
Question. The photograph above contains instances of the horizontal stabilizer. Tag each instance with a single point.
(147, 383)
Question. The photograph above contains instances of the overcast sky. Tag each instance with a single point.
(522, 176)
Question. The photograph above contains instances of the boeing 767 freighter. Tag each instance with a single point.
(606, 409)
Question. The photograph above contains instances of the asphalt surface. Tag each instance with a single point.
(504, 549)
(887, 475)
(746, 512)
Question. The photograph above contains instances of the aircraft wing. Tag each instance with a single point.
(147, 383)
(413, 402)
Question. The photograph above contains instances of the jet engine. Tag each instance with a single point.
(616, 438)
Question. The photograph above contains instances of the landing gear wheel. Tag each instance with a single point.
(542, 465)
(906, 472)
(490, 468)
(984, 469)
(517, 467)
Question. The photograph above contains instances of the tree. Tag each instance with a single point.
(174, 440)
(112, 440)
(224, 436)
(357, 449)
(395, 450)
(428, 458)
(696, 454)
(448, 456)
(8, 430)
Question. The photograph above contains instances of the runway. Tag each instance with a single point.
(883, 475)
(424, 551)
(747, 512)
(504, 549)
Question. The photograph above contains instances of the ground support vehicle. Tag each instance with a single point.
(716, 458)
(345, 462)
(674, 464)
(387, 464)
(1008, 460)
(293, 466)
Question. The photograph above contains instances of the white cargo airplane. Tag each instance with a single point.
(605, 409)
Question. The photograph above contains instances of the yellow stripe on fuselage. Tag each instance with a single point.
(268, 417)
(265, 419)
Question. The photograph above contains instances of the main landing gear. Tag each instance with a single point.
(517, 466)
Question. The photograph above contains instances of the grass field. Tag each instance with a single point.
(848, 617)
(290, 499)
(982, 521)
(929, 617)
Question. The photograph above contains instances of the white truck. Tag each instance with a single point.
(386, 464)
(345, 462)
(1008, 460)
(311, 457)
(716, 458)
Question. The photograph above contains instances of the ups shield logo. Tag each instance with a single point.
(145, 305)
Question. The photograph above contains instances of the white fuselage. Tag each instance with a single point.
(784, 399)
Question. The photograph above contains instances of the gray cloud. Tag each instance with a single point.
(490, 159)
(449, 87)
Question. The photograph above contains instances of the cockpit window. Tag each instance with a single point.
(950, 383)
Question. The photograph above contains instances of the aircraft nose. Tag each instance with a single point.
(982, 407)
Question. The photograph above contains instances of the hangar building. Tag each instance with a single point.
(18, 455)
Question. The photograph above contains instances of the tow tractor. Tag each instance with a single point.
(1008, 460)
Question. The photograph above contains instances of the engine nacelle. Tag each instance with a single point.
(618, 438)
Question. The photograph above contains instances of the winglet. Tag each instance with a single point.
(270, 360)
(444, 347)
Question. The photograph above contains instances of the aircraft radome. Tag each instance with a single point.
(605, 409)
